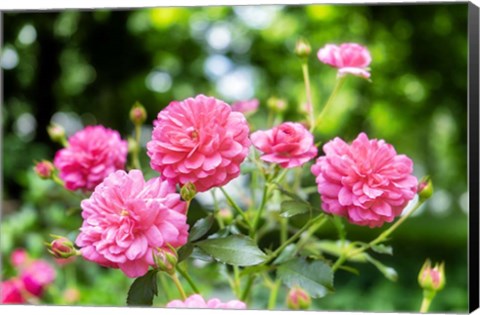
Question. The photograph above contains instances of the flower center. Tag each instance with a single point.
(124, 213)
(194, 135)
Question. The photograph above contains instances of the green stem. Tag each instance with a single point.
(64, 142)
(165, 287)
(320, 218)
(258, 216)
(236, 280)
(428, 296)
(425, 305)
(178, 284)
(235, 206)
(382, 237)
(272, 301)
(309, 234)
(306, 79)
(330, 100)
(216, 209)
(187, 277)
(136, 152)
(248, 287)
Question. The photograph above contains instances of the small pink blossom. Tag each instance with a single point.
(246, 107)
(367, 181)
(349, 58)
(19, 257)
(91, 155)
(126, 219)
(197, 301)
(36, 276)
(11, 292)
(199, 141)
(289, 144)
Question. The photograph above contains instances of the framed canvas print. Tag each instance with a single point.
(294, 156)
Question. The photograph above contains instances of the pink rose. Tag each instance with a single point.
(367, 181)
(349, 58)
(92, 154)
(197, 301)
(199, 141)
(288, 144)
(36, 276)
(246, 107)
(11, 292)
(19, 257)
(127, 219)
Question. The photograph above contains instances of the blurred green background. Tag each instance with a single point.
(86, 67)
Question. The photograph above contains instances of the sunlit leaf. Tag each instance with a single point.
(236, 250)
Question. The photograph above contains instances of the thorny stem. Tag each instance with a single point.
(382, 237)
(293, 238)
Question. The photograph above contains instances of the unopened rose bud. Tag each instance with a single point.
(188, 191)
(165, 260)
(277, 105)
(62, 247)
(432, 279)
(302, 48)
(226, 215)
(44, 169)
(138, 114)
(425, 188)
(298, 299)
(56, 133)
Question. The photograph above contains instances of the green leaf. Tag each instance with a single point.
(290, 208)
(290, 194)
(287, 254)
(383, 249)
(143, 289)
(199, 254)
(185, 251)
(200, 228)
(236, 250)
(316, 277)
(388, 272)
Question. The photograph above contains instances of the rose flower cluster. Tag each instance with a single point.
(201, 142)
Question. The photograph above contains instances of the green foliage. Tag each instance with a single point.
(200, 228)
(290, 208)
(314, 277)
(235, 250)
(143, 289)
(415, 100)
